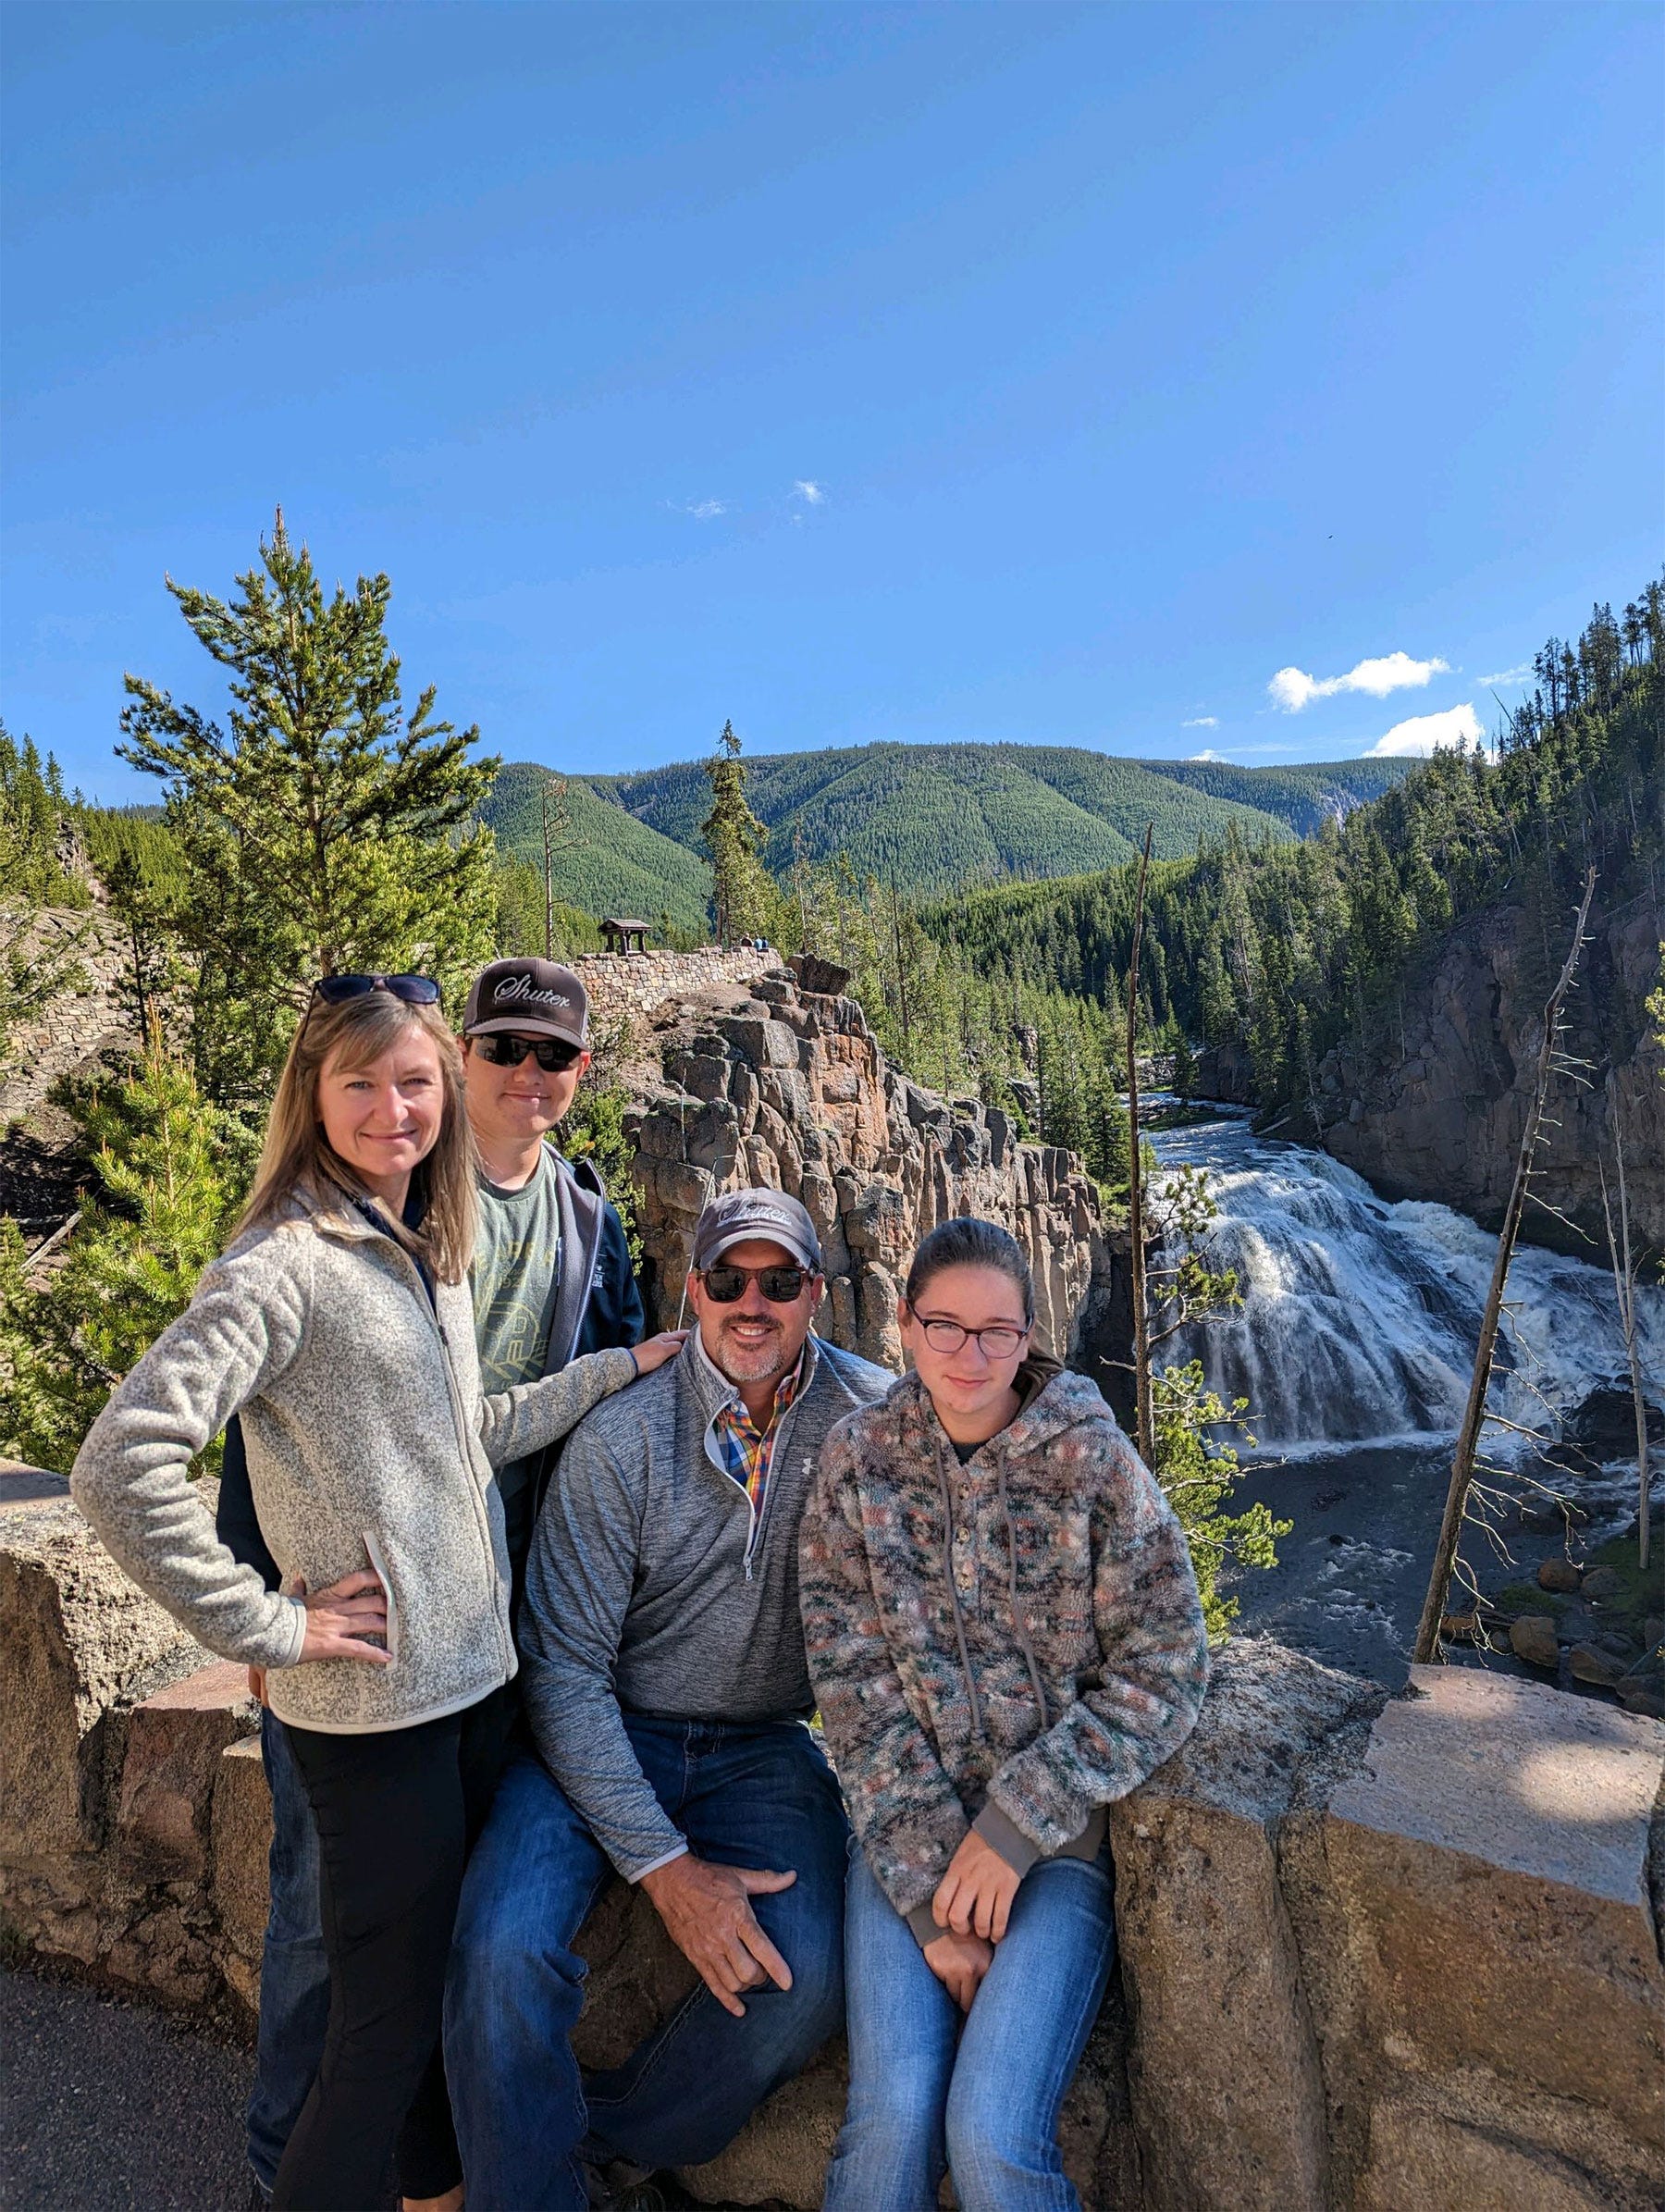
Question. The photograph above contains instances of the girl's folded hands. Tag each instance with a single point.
(975, 1896)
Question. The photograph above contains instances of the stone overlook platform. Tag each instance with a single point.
(1377, 1955)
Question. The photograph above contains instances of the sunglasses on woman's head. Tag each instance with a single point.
(415, 989)
(551, 1054)
(724, 1285)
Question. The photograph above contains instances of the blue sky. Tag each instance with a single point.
(1014, 371)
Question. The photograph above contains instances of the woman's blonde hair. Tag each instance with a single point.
(297, 1154)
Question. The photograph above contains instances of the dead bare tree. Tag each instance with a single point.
(1144, 1421)
(1474, 1413)
(1625, 1290)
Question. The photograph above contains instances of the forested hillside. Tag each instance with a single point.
(606, 862)
(937, 817)
(1282, 950)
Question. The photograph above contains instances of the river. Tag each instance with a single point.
(1354, 1349)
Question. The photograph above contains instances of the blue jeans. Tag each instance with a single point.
(979, 2098)
(294, 1972)
(755, 1797)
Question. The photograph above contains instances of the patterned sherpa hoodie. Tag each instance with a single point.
(1012, 1644)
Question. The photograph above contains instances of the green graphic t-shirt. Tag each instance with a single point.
(516, 1273)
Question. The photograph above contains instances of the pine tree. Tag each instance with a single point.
(741, 893)
(133, 1262)
(321, 832)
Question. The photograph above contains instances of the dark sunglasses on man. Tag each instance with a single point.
(509, 1051)
(724, 1285)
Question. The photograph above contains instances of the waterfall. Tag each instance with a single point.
(1361, 1318)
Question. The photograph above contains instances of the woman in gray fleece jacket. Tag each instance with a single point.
(1004, 1634)
(339, 1324)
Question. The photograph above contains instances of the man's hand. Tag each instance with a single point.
(959, 1963)
(257, 1684)
(706, 1908)
(975, 1893)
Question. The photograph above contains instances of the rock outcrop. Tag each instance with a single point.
(769, 1083)
(1434, 1105)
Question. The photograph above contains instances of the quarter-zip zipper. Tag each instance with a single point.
(482, 1518)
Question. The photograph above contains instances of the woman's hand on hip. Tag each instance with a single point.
(975, 1896)
(653, 1351)
(339, 1619)
(959, 1963)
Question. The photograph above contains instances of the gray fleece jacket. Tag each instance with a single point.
(652, 1588)
(369, 1444)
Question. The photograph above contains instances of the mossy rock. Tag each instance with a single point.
(1526, 1597)
(1638, 1594)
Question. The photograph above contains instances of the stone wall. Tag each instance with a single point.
(1376, 1954)
(624, 986)
(75, 1022)
(769, 1083)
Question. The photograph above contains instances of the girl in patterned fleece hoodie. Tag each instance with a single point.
(1004, 1634)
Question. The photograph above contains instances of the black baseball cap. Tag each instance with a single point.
(528, 998)
(740, 1216)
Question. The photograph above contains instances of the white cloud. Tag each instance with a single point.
(811, 493)
(1201, 722)
(1291, 689)
(703, 510)
(1423, 734)
(1207, 756)
(1508, 675)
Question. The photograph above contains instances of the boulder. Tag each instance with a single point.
(1532, 1637)
(1559, 1575)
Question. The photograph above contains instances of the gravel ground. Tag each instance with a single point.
(106, 2104)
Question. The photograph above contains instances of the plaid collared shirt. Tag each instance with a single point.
(746, 1448)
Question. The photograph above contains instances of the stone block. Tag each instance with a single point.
(1425, 2160)
(79, 1643)
(1224, 2075)
(1490, 1863)
(174, 1744)
(242, 1840)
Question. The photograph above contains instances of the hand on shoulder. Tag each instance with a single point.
(655, 1351)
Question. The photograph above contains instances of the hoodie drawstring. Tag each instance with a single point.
(959, 1619)
(1018, 1621)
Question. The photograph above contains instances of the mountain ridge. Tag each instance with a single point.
(932, 818)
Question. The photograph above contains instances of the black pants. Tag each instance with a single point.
(397, 1815)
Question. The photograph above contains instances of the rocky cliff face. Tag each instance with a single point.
(1436, 1110)
(766, 1083)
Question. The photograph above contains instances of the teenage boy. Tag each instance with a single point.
(665, 1682)
(552, 1279)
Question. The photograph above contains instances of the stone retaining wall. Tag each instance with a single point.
(622, 986)
(1376, 1954)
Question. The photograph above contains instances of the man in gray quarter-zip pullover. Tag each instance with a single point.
(664, 1681)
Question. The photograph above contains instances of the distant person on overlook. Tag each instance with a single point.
(667, 1696)
(339, 1324)
(552, 1281)
(1004, 1635)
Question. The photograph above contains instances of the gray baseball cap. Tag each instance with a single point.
(738, 1217)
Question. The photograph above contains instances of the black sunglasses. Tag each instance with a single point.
(415, 989)
(779, 1285)
(509, 1051)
